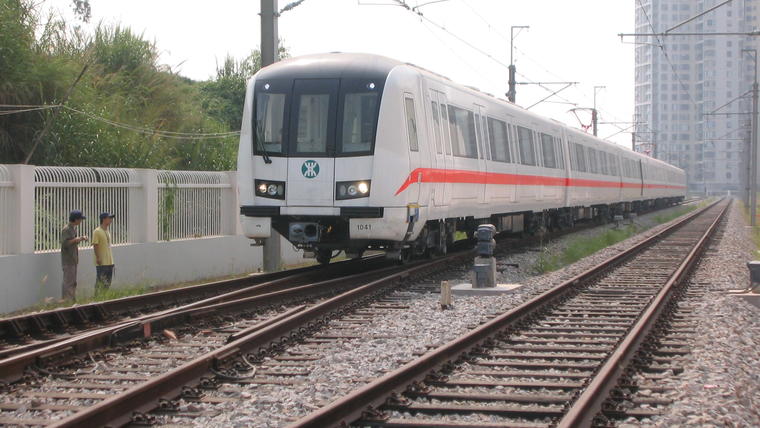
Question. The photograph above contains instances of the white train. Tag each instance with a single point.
(354, 152)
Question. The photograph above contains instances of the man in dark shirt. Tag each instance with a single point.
(70, 254)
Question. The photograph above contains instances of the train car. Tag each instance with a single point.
(350, 152)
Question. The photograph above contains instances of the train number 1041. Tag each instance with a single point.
(364, 227)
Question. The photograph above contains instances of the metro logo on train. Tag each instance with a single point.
(383, 136)
(310, 169)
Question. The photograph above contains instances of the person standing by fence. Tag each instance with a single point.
(101, 242)
(70, 254)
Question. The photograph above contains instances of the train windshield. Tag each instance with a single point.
(316, 117)
(359, 122)
(269, 121)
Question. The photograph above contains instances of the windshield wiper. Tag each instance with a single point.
(260, 144)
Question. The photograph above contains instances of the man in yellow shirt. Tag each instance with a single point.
(101, 242)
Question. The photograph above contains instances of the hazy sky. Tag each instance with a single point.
(567, 41)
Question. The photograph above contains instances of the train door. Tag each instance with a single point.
(311, 160)
(564, 145)
(483, 148)
(445, 159)
(414, 141)
(437, 153)
(641, 175)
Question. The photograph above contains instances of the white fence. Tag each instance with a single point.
(6, 212)
(190, 204)
(149, 205)
(58, 190)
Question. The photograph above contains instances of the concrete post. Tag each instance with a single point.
(143, 207)
(231, 207)
(22, 241)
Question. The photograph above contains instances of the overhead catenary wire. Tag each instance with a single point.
(20, 108)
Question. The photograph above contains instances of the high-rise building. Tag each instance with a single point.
(694, 93)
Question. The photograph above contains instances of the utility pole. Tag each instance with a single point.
(595, 114)
(269, 37)
(272, 252)
(512, 94)
(753, 145)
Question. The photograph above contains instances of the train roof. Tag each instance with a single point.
(336, 64)
(363, 65)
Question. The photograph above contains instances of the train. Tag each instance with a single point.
(353, 152)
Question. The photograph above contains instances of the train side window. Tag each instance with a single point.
(463, 138)
(468, 131)
(480, 141)
(497, 130)
(486, 146)
(591, 160)
(456, 149)
(445, 129)
(411, 124)
(436, 126)
(614, 170)
(547, 150)
(580, 154)
(560, 153)
(602, 155)
(527, 146)
(573, 160)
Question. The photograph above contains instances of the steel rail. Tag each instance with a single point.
(589, 403)
(55, 319)
(350, 407)
(118, 409)
(12, 368)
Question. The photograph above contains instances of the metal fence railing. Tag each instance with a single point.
(150, 205)
(191, 204)
(58, 190)
(7, 217)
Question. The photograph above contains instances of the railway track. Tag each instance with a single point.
(106, 375)
(554, 360)
(28, 332)
(220, 341)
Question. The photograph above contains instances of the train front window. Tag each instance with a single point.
(268, 127)
(359, 122)
(313, 110)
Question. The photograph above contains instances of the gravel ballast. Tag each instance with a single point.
(720, 384)
(396, 337)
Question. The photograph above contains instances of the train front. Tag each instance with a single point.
(306, 152)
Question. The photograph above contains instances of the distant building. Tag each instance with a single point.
(679, 86)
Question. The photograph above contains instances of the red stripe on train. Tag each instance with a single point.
(432, 175)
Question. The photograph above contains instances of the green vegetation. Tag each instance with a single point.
(122, 108)
(581, 247)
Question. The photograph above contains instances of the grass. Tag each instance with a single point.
(579, 248)
(755, 231)
(585, 246)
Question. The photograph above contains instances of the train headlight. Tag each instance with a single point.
(270, 189)
(352, 189)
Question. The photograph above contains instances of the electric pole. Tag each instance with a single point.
(271, 253)
(269, 37)
(512, 93)
(595, 114)
(753, 147)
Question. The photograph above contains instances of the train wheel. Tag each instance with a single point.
(324, 256)
(442, 247)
